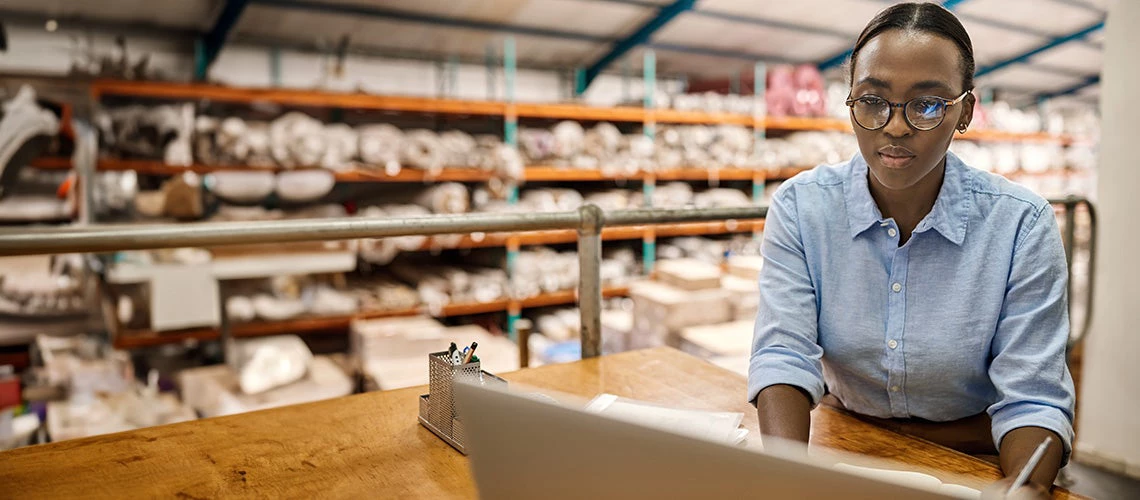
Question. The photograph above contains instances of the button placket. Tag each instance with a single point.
(896, 318)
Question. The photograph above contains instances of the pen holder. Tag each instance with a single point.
(437, 407)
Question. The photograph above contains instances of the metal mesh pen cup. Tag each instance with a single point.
(437, 408)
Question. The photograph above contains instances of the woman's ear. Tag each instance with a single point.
(967, 115)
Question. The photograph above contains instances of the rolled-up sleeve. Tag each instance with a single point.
(785, 347)
(1028, 366)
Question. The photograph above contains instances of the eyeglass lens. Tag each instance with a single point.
(923, 113)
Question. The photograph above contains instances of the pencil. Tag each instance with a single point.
(1023, 476)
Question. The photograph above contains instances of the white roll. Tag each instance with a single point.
(241, 186)
(342, 147)
(301, 186)
(380, 146)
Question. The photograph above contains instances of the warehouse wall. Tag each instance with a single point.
(1109, 433)
(34, 50)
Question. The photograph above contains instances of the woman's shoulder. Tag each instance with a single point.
(995, 191)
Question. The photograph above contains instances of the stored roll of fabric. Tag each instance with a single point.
(536, 144)
(342, 147)
(380, 146)
(242, 187)
(297, 140)
(569, 139)
(445, 198)
(301, 186)
(423, 150)
(459, 149)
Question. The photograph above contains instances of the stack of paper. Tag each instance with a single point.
(722, 427)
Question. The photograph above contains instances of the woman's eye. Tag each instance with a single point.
(928, 107)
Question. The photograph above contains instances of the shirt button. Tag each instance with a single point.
(897, 287)
(894, 388)
(892, 232)
(892, 344)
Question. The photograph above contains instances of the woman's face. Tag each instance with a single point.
(898, 66)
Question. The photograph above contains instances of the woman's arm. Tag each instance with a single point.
(785, 376)
(785, 412)
(1019, 444)
(1028, 367)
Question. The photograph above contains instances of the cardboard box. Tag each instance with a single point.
(660, 311)
(688, 274)
(745, 295)
(746, 266)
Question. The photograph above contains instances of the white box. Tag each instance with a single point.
(746, 266)
(745, 295)
(660, 311)
(688, 274)
(213, 390)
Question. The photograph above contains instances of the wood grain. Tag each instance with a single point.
(370, 445)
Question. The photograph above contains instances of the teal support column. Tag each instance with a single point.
(649, 243)
(510, 137)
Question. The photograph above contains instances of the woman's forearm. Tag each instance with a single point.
(785, 412)
(1019, 444)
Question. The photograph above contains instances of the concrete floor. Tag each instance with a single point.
(1098, 483)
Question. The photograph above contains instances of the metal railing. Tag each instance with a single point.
(588, 221)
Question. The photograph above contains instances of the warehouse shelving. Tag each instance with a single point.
(559, 111)
(509, 111)
(531, 173)
(139, 338)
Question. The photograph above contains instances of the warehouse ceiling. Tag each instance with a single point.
(1025, 49)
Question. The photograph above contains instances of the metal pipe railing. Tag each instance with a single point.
(588, 221)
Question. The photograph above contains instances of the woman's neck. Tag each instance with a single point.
(908, 207)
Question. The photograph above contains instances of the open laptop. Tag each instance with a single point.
(526, 448)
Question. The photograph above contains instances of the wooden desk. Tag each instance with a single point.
(371, 446)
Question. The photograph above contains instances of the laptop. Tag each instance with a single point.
(522, 447)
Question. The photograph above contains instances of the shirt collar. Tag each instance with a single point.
(948, 216)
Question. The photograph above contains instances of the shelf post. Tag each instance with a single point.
(590, 279)
(649, 185)
(759, 130)
(510, 137)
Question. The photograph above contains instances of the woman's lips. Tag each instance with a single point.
(895, 156)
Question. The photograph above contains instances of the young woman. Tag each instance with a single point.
(908, 287)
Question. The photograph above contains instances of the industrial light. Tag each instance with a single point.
(51, 25)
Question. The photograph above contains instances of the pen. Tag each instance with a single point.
(471, 353)
(1023, 476)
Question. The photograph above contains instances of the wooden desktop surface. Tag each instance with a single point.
(371, 445)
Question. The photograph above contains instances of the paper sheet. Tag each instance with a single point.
(913, 479)
(721, 427)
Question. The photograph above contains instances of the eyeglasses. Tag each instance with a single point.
(923, 113)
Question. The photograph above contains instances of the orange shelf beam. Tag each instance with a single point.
(554, 111)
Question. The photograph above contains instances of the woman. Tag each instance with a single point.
(917, 291)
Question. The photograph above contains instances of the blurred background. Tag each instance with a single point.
(178, 111)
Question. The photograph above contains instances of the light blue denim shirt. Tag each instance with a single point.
(970, 315)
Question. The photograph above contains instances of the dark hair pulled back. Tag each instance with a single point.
(921, 17)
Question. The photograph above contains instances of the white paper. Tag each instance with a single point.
(721, 427)
(912, 479)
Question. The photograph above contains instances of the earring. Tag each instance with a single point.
(961, 128)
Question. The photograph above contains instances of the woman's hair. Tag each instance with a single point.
(922, 17)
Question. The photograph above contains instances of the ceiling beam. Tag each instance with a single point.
(1051, 44)
(840, 58)
(215, 39)
(454, 22)
(1087, 82)
(415, 17)
(638, 37)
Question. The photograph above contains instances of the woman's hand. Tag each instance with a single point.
(1030, 491)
